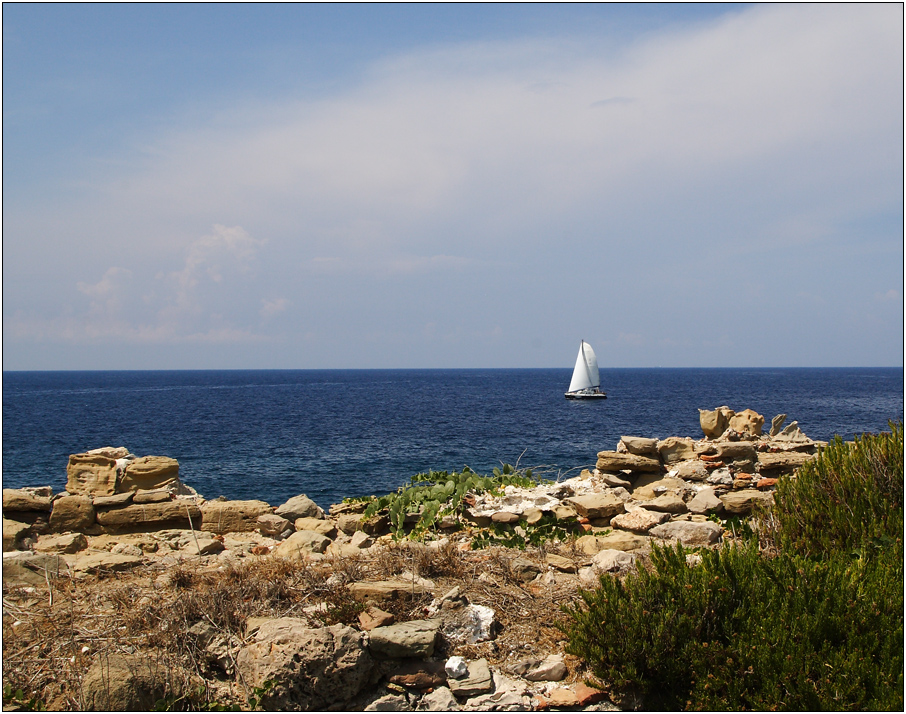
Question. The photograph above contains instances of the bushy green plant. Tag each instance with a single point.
(812, 627)
(436, 494)
(546, 529)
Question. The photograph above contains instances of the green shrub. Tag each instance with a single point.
(818, 625)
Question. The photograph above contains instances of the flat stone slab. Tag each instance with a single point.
(383, 589)
(477, 681)
(406, 639)
(616, 461)
(110, 562)
(639, 521)
(689, 533)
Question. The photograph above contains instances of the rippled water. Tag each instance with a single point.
(335, 433)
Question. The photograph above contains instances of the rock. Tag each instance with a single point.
(549, 669)
(468, 624)
(650, 487)
(742, 502)
(504, 517)
(506, 695)
(118, 682)
(564, 565)
(613, 561)
(720, 477)
(736, 451)
(66, 543)
(406, 639)
(204, 544)
(440, 700)
(640, 446)
(667, 503)
(16, 534)
(524, 570)
(389, 703)
(477, 681)
(714, 423)
(300, 544)
(532, 515)
(361, 540)
(615, 461)
(621, 540)
(596, 505)
(747, 422)
(313, 668)
(674, 449)
(117, 499)
(91, 474)
(28, 568)
(232, 516)
(318, 525)
(586, 695)
(302, 507)
(349, 523)
(374, 617)
(766, 483)
(777, 424)
(148, 473)
(613, 480)
(689, 533)
(691, 470)
(704, 502)
(564, 513)
(384, 589)
(562, 698)
(272, 525)
(792, 435)
(782, 462)
(72, 513)
(640, 521)
(22, 500)
(157, 495)
(105, 562)
(417, 674)
(180, 514)
(456, 668)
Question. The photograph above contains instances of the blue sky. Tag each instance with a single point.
(316, 186)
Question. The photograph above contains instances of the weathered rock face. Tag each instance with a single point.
(299, 507)
(300, 544)
(232, 516)
(384, 589)
(705, 501)
(747, 422)
(72, 513)
(181, 513)
(477, 681)
(674, 449)
(782, 462)
(270, 524)
(318, 525)
(15, 533)
(22, 500)
(125, 683)
(689, 533)
(405, 639)
(313, 668)
(640, 521)
(615, 461)
(596, 505)
(148, 473)
(91, 474)
(715, 422)
(742, 502)
(640, 446)
(66, 543)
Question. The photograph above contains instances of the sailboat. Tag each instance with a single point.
(586, 383)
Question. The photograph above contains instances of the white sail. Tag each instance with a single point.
(585, 373)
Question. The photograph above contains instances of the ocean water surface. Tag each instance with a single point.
(273, 434)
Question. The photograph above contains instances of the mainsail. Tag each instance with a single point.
(585, 373)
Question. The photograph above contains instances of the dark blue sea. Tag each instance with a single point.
(329, 434)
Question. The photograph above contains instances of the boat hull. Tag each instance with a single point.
(597, 394)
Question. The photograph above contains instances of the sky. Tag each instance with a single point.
(295, 186)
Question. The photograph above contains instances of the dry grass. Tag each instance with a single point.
(50, 642)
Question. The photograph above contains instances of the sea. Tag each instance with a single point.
(274, 434)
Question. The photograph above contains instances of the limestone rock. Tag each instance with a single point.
(564, 565)
(596, 505)
(440, 700)
(22, 500)
(667, 503)
(150, 516)
(640, 446)
(300, 506)
(154, 495)
(117, 682)
(374, 617)
(689, 533)
(66, 543)
(384, 589)
(742, 502)
(91, 474)
(105, 562)
(232, 516)
(777, 424)
(639, 521)
(29, 568)
(361, 540)
(748, 422)
(204, 544)
(615, 461)
(782, 462)
(301, 543)
(15, 534)
(715, 422)
(549, 669)
(149, 473)
(313, 668)
(691, 470)
(389, 703)
(318, 525)
(405, 639)
(117, 499)
(674, 449)
(417, 674)
(648, 488)
(272, 525)
(72, 513)
(704, 502)
(792, 435)
(478, 681)
(613, 561)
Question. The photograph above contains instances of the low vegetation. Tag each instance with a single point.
(805, 613)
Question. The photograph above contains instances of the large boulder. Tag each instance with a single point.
(299, 507)
(747, 422)
(72, 513)
(312, 668)
(232, 516)
(91, 473)
(615, 461)
(149, 473)
(715, 422)
(179, 514)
